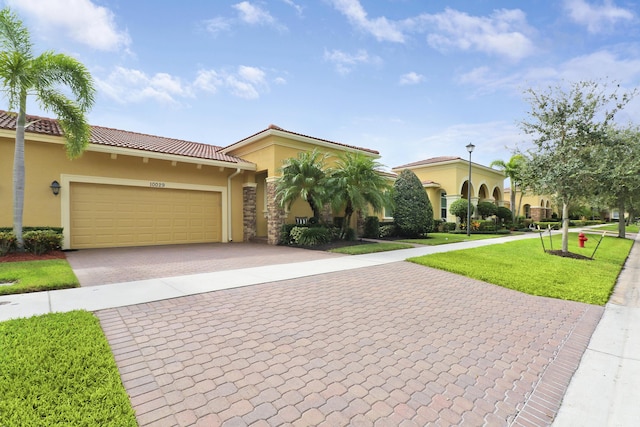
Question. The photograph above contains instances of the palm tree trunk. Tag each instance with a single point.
(512, 200)
(19, 175)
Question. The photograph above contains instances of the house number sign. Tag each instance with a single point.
(156, 184)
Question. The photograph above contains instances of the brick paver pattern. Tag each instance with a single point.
(117, 265)
(394, 345)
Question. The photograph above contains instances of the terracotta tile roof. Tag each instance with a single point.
(124, 139)
(278, 128)
(429, 161)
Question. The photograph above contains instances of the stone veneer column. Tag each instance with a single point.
(275, 214)
(249, 210)
(536, 213)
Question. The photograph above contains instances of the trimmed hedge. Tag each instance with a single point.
(371, 227)
(42, 241)
(57, 230)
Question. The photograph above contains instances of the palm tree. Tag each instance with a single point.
(356, 183)
(23, 74)
(303, 177)
(511, 170)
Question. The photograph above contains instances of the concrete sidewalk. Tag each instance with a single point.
(605, 389)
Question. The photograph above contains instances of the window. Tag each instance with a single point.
(443, 205)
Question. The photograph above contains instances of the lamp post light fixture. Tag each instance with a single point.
(470, 148)
(55, 188)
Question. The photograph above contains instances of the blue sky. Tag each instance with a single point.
(412, 79)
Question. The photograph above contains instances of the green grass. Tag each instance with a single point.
(434, 239)
(370, 248)
(58, 369)
(34, 276)
(633, 228)
(523, 266)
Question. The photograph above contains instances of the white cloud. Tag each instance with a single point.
(598, 65)
(345, 62)
(411, 78)
(294, 5)
(597, 18)
(81, 20)
(217, 25)
(253, 14)
(503, 33)
(127, 85)
(246, 82)
(381, 28)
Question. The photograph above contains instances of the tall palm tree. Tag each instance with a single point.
(356, 183)
(303, 177)
(511, 170)
(44, 76)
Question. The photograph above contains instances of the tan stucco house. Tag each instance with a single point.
(538, 207)
(132, 189)
(446, 180)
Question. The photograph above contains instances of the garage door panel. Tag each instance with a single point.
(110, 215)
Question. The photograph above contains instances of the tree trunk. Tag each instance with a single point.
(512, 200)
(621, 221)
(348, 212)
(18, 175)
(565, 227)
(520, 201)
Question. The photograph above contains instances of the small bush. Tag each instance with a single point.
(285, 234)
(371, 227)
(388, 231)
(41, 242)
(350, 234)
(544, 225)
(314, 236)
(486, 209)
(57, 230)
(295, 233)
(504, 214)
(459, 209)
(7, 242)
(487, 225)
(337, 221)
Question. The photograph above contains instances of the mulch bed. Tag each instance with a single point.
(334, 245)
(569, 255)
(26, 256)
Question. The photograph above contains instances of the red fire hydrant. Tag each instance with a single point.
(581, 240)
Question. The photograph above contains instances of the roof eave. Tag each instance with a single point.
(297, 137)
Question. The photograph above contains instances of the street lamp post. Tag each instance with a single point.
(470, 148)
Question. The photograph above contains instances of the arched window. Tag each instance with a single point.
(443, 205)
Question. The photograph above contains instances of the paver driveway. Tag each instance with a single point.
(117, 265)
(394, 345)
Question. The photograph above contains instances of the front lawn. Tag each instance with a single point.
(633, 228)
(58, 369)
(370, 248)
(33, 276)
(434, 239)
(523, 266)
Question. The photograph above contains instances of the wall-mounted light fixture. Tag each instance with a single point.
(55, 188)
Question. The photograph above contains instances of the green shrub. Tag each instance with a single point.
(459, 209)
(413, 213)
(487, 225)
(486, 209)
(371, 227)
(544, 225)
(313, 236)
(295, 233)
(57, 230)
(350, 234)
(7, 242)
(388, 230)
(503, 213)
(285, 234)
(41, 242)
(445, 227)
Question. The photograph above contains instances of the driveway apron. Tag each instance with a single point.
(395, 345)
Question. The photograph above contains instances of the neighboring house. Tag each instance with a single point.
(533, 206)
(132, 189)
(446, 180)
